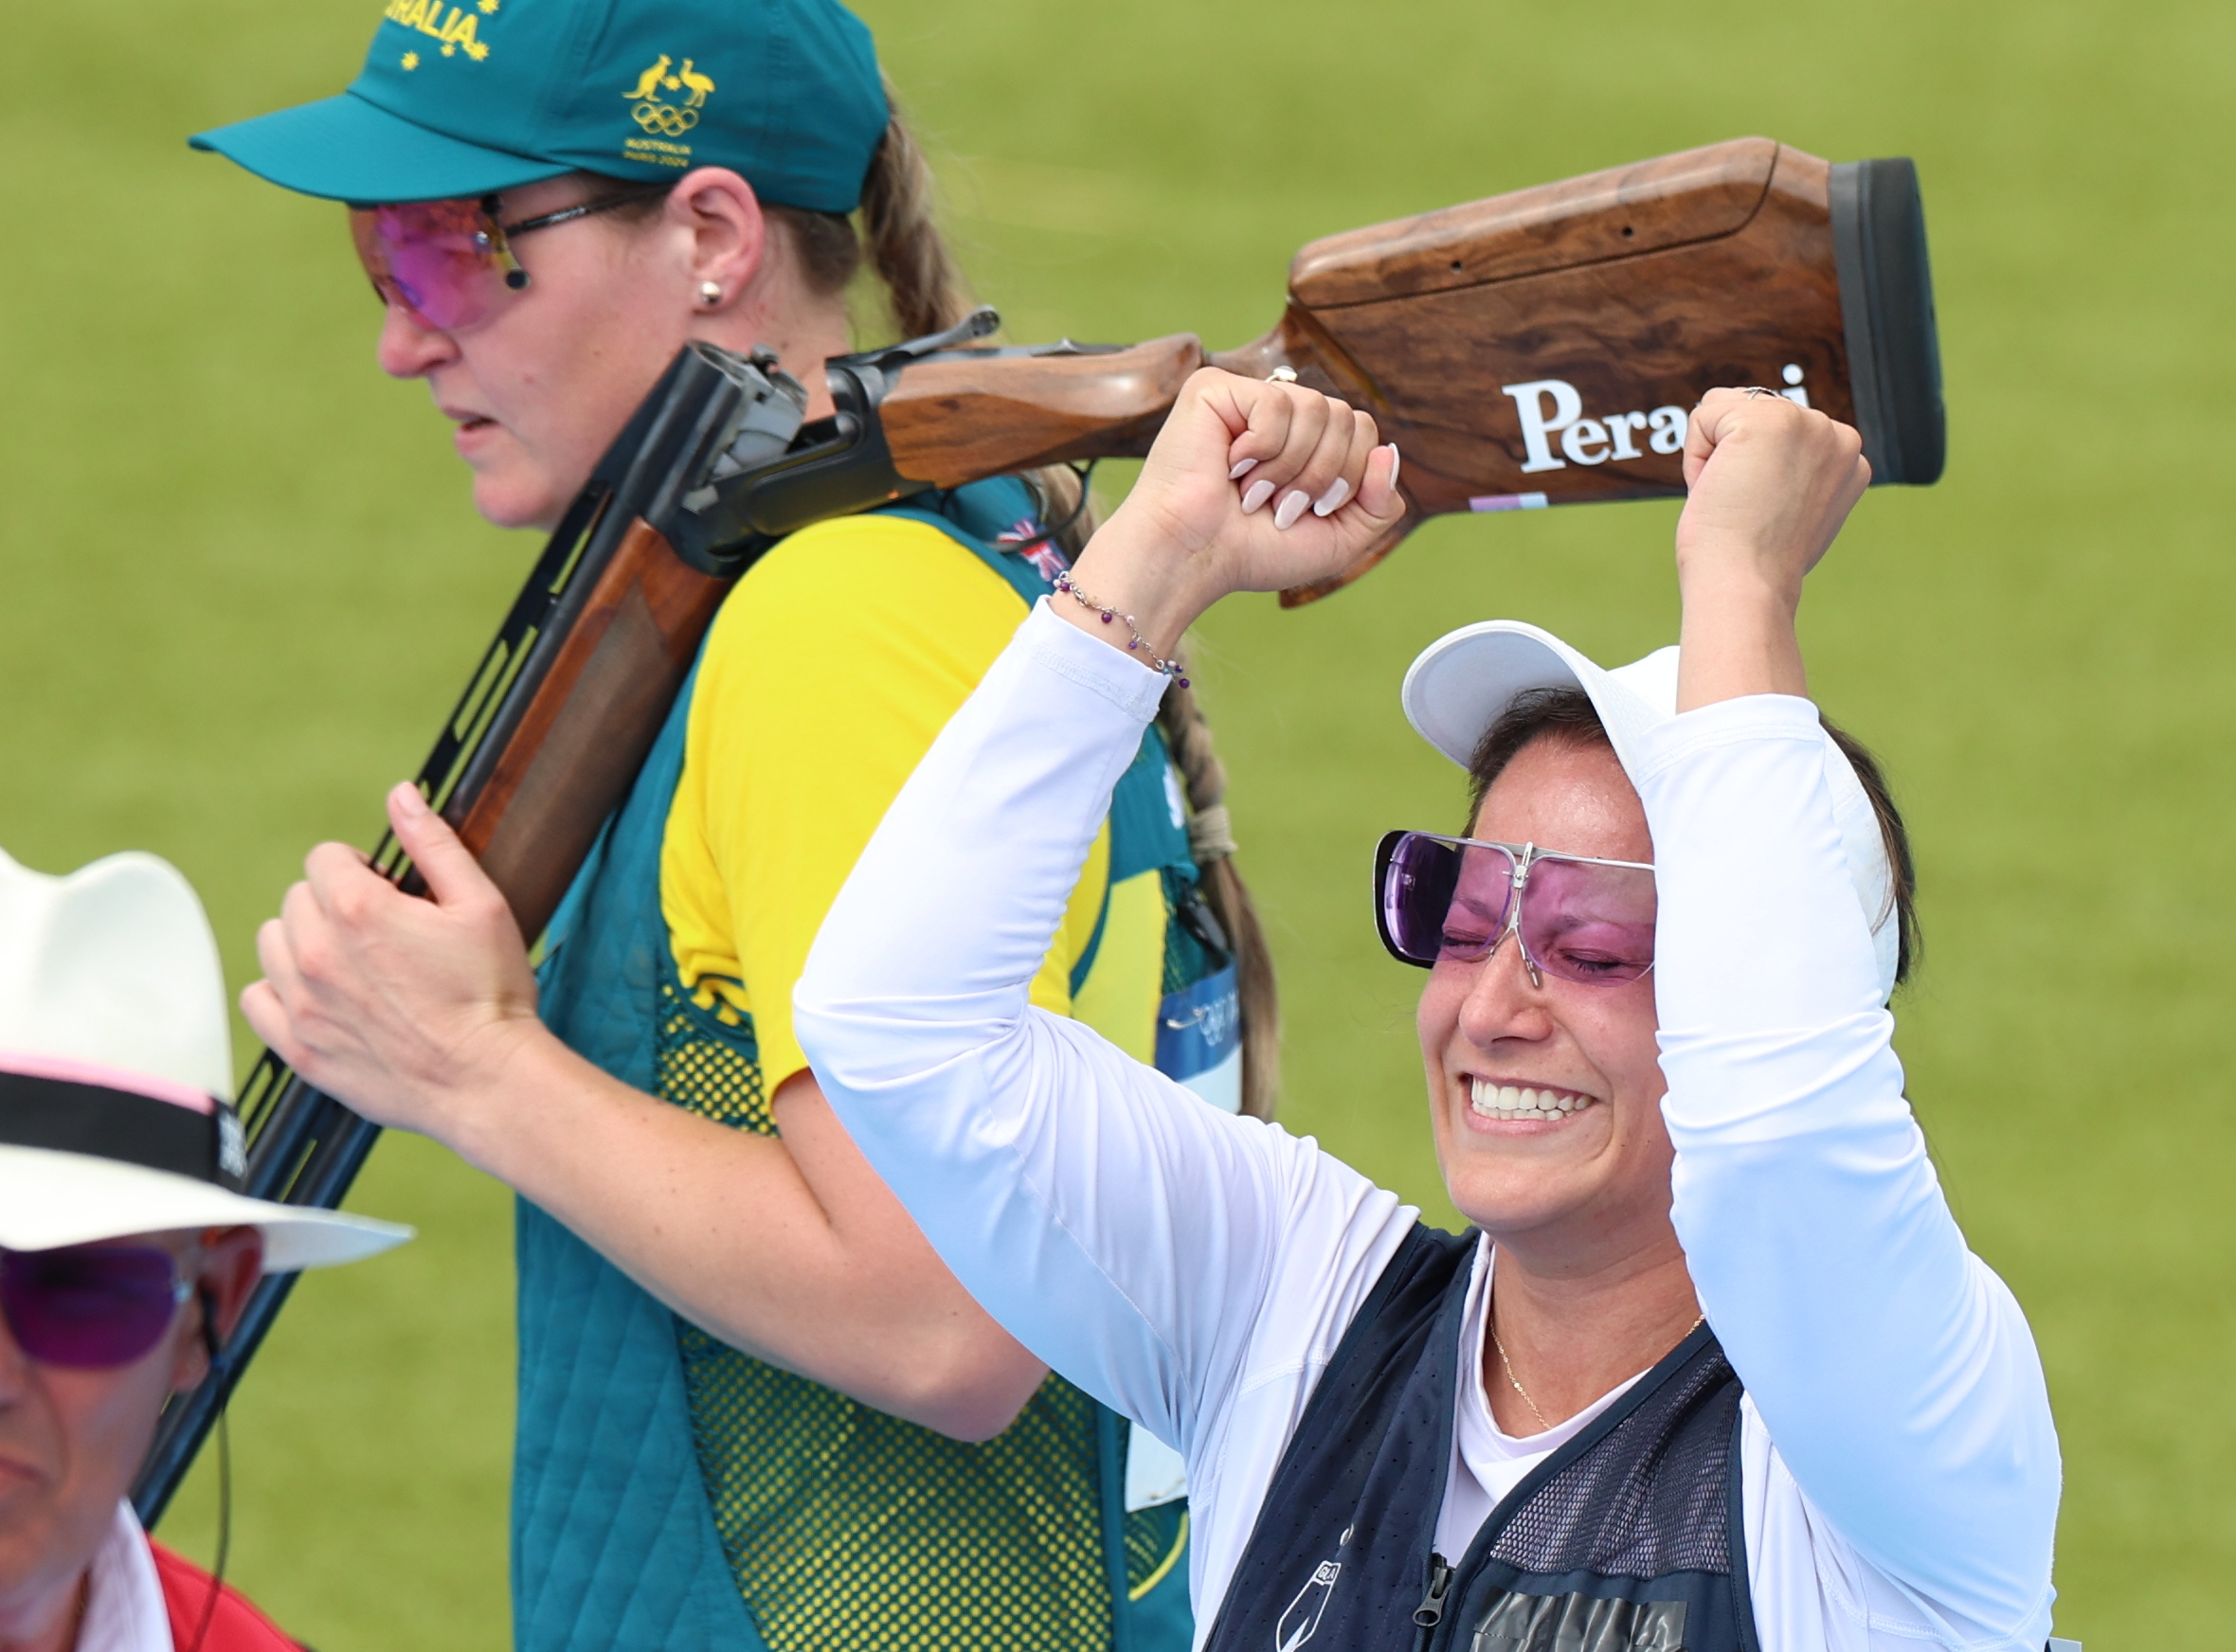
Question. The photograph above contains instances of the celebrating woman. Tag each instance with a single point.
(1717, 1370)
(754, 1408)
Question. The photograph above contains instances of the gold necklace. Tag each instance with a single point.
(1490, 1324)
(1516, 1381)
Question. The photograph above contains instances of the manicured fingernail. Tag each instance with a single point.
(410, 800)
(1393, 464)
(1294, 504)
(1243, 470)
(1257, 494)
(1332, 501)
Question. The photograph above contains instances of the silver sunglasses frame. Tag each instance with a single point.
(1524, 856)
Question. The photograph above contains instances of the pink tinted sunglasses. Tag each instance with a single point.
(1457, 899)
(450, 262)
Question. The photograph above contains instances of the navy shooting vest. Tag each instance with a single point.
(1626, 1539)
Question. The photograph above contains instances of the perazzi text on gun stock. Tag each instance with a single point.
(1537, 349)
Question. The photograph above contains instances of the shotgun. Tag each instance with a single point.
(1536, 349)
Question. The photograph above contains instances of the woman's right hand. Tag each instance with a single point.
(1252, 486)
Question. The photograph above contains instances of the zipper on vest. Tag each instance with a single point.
(1430, 1612)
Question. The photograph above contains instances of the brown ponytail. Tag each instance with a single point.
(901, 234)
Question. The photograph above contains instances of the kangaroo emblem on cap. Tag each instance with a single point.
(668, 120)
(648, 84)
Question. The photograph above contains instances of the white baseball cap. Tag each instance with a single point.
(116, 1057)
(1464, 681)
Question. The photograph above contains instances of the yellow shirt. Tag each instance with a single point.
(825, 678)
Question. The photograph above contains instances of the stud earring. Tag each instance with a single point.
(709, 292)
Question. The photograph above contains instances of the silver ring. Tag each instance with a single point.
(1282, 375)
(1753, 391)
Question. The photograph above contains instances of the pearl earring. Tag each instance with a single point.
(709, 292)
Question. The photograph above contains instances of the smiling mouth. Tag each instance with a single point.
(1497, 1101)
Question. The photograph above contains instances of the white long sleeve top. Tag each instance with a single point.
(1194, 1271)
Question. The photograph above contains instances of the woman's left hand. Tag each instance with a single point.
(1770, 484)
(1252, 486)
(407, 1008)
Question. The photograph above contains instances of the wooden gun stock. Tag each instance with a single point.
(955, 418)
(584, 733)
(1536, 349)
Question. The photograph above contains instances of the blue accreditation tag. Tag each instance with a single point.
(1199, 1039)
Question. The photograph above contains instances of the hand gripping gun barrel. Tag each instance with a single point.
(1537, 349)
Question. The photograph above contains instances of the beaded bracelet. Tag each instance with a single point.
(1138, 644)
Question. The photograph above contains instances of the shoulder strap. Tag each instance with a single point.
(1413, 1285)
(1329, 1456)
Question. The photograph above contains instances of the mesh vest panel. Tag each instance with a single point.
(993, 1546)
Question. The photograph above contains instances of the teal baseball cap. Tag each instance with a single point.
(472, 99)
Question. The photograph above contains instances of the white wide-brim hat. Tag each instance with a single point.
(116, 1055)
(1463, 683)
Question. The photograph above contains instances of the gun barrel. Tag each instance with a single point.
(542, 747)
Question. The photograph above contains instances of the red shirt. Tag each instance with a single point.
(234, 1627)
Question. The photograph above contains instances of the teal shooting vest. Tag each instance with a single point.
(626, 1533)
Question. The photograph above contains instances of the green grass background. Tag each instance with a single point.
(241, 581)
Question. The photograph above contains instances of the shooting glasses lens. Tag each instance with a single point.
(1453, 900)
(450, 262)
(91, 1307)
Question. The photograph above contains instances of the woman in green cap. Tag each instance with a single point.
(754, 1410)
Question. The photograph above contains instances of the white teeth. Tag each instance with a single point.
(1514, 1101)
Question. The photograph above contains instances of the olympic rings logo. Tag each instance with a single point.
(664, 118)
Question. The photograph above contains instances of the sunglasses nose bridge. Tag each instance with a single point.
(1513, 926)
(1529, 964)
(1537, 977)
(1523, 863)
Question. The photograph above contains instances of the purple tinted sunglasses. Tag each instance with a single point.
(1456, 899)
(90, 1307)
